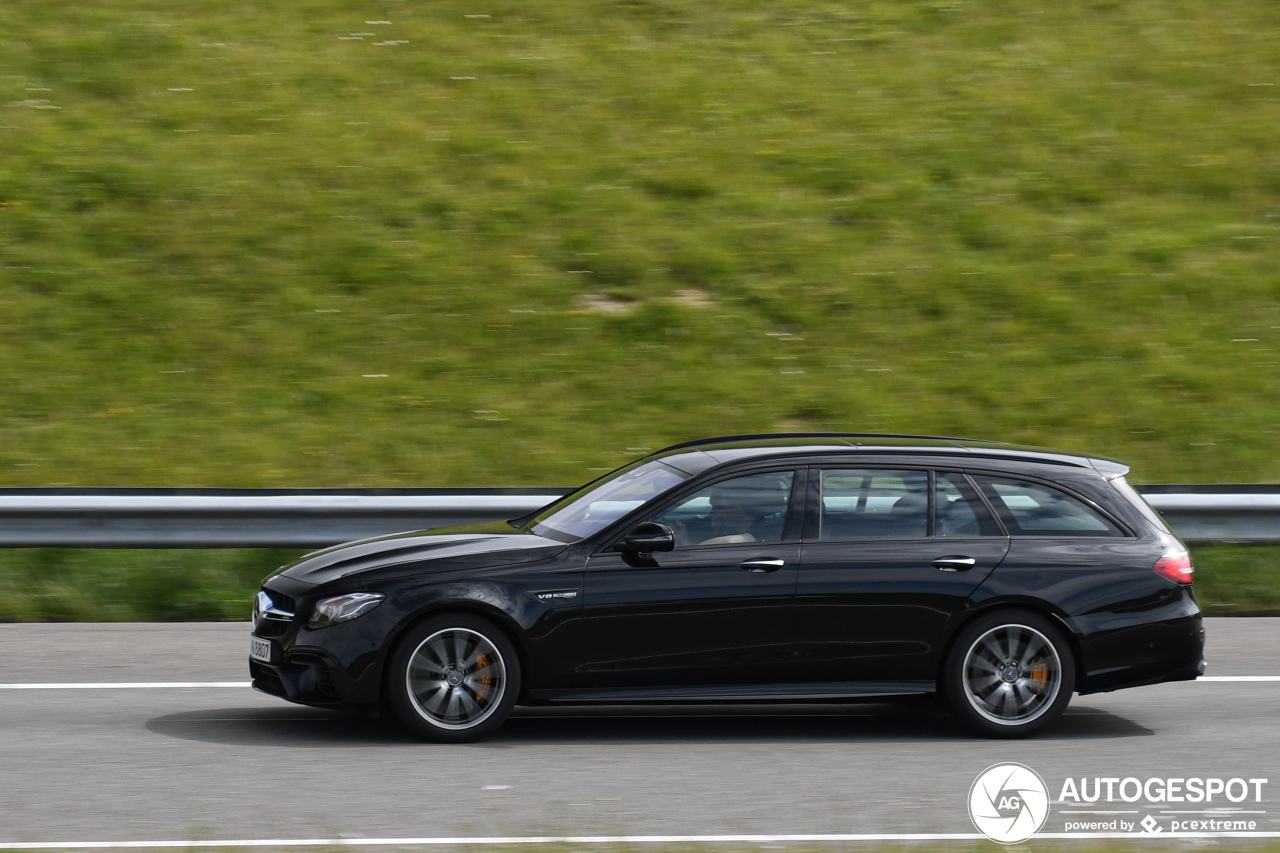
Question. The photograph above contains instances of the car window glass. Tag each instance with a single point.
(955, 514)
(744, 509)
(1140, 503)
(1031, 509)
(873, 504)
(587, 512)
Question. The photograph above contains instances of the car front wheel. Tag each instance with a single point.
(1009, 674)
(453, 678)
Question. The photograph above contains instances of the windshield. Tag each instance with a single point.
(584, 513)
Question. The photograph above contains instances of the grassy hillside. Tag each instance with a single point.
(499, 242)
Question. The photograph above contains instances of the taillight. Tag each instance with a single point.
(1176, 567)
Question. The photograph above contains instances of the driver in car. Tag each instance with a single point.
(730, 520)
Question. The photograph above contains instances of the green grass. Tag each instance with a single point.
(1238, 581)
(512, 243)
(101, 585)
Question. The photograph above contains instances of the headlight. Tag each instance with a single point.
(343, 608)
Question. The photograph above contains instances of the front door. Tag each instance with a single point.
(715, 612)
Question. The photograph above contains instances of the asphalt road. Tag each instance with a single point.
(225, 762)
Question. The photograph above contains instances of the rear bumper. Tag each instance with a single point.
(1130, 650)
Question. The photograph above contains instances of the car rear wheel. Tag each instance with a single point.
(1009, 674)
(454, 678)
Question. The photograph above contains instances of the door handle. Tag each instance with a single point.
(954, 564)
(762, 565)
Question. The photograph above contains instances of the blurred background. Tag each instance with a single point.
(499, 243)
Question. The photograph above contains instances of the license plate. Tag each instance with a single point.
(260, 649)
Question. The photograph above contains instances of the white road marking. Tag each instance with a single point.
(135, 685)
(594, 839)
(120, 685)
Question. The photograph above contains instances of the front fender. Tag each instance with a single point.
(529, 607)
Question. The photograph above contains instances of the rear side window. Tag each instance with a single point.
(959, 509)
(1033, 509)
(1140, 503)
(874, 504)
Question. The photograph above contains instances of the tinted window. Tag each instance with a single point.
(1140, 503)
(744, 509)
(874, 504)
(956, 513)
(1030, 509)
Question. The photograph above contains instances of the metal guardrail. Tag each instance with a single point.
(243, 518)
(313, 518)
(1201, 514)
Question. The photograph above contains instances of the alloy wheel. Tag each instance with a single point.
(456, 678)
(1012, 674)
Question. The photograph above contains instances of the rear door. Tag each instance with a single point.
(889, 556)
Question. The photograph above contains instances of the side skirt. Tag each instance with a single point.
(738, 693)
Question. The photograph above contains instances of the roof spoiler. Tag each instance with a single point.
(1109, 468)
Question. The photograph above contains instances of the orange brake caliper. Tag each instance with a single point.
(1039, 677)
(482, 663)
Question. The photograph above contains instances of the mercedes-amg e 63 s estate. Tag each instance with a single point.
(765, 568)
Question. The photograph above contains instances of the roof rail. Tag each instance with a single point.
(697, 442)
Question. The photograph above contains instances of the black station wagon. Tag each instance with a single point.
(763, 568)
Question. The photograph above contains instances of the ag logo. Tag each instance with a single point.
(1008, 803)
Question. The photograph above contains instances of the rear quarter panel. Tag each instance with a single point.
(1129, 625)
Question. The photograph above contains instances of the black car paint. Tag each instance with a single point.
(695, 618)
(840, 619)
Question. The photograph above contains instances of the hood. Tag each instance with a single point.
(447, 546)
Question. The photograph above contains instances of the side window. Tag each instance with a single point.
(959, 509)
(1030, 509)
(744, 509)
(872, 504)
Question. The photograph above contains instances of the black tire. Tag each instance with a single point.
(1009, 674)
(453, 678)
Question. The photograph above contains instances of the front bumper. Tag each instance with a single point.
(307, 680)
(339, 666)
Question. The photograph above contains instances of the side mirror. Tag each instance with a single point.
(648, 537)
